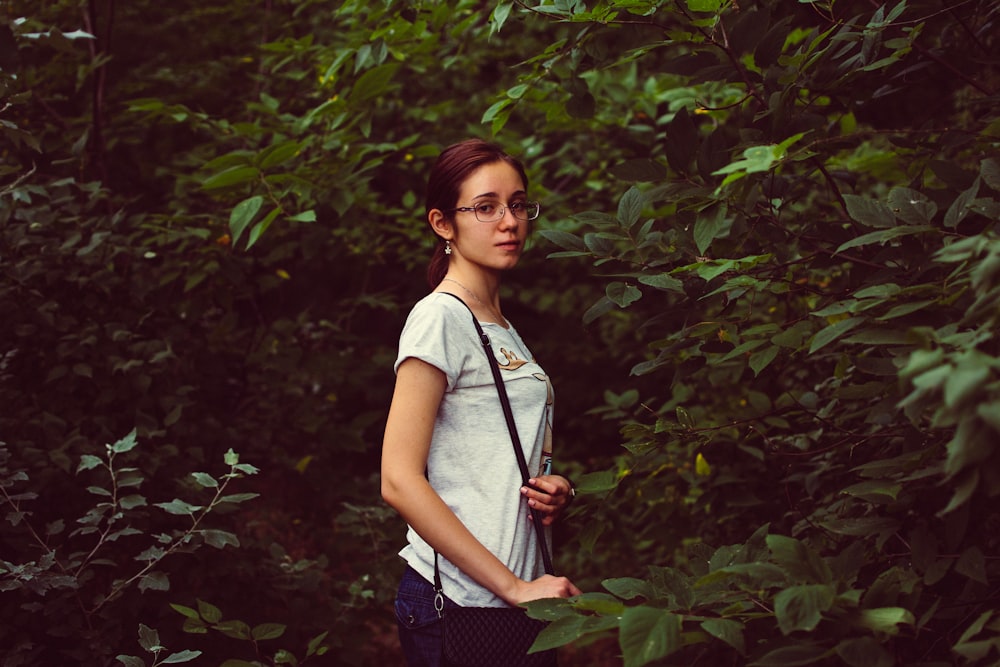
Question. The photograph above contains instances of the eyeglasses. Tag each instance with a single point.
(492, 211)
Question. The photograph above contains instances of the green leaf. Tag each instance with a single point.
(130, 661)
(205, 480)
(911, 206)
(209, 612)
(315, 643)
(242, 215)
(731, 632)
(710, 224)
(373, 83)
(711, 6)
(663, 281)
(559, 632)
(972, 564)
(863, 527)
(630, 207)
(623, 295)
(869, 212)
(798, 561)
(597, 482)
(499, 16)
(220, 538)
(884, 236)
(491, 113)
(879, 487)
(178, 507)
(88, 462)
(802, 607)
(278, 153)
(230, 177)
(186, 611)
(989, 412)
(882, 291)
(238, 497)
(154, 581)
(629, 588)
(976, 626)
(973, 443)
(231, 458)
(149, 639)
(964, 381)
(304, 216)
(563, 239)
(267, 631)
(886, 619)
(233, 629)
(261, 227)
(180, 656)
(647, 634)
(904, 309)
(960, 208)
(762, 359)
(965, 488)
(132, 501)
(795, 655)
(126, 444)
(831, 333)
(792, 337)
(864, 652)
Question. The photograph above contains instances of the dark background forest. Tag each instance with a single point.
(765, 282)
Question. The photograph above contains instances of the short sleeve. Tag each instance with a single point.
(440, 332)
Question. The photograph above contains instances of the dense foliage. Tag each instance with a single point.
(774, 275)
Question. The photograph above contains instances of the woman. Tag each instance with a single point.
(448, 466)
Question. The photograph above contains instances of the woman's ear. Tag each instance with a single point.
(440, 223)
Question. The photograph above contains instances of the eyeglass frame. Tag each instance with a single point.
(503, 210)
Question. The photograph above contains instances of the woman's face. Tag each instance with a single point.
(494, 246)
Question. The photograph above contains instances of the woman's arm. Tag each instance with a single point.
(415, 402)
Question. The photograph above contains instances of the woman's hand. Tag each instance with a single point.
(546, 586)
(550, 496)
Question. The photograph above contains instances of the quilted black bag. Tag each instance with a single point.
(491, 637)
(494, 636)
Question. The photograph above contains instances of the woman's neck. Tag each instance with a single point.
(483, 294)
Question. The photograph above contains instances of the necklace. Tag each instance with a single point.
(493, 312)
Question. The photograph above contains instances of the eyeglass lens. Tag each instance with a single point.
(520, 210)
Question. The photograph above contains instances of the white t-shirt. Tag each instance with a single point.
(471, 462)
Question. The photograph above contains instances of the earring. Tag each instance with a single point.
(447, 247)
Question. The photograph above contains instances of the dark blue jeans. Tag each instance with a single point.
(418, 622)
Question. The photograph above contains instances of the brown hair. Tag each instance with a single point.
(452, 167)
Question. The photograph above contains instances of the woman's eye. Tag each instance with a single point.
(488, 209)
(517, 206)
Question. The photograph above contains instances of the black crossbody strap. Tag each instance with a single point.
(536, 518)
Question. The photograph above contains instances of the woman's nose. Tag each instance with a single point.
(507, 218)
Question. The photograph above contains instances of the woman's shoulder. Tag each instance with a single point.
(440, 304)
(437, 309)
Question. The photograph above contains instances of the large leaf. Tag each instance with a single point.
(884, 236)
(834, 331)
(373, 83)
(648, 634)
(795, 655)
(802, 607)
